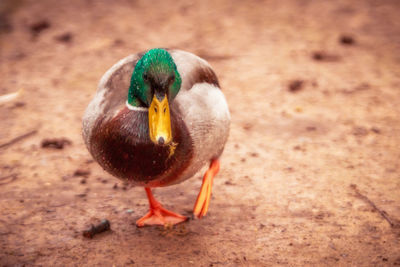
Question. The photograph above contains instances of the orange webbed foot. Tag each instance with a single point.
(204, 197)
(158, 215)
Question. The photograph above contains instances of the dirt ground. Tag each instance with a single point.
(310, 174)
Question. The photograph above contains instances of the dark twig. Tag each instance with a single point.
(12, 176)
(393, 222)
(18, 138)
(103, 226)
(57, 143)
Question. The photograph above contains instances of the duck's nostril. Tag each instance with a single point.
(161, 141)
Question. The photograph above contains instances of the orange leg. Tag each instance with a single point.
(203, 199)
(158, 215)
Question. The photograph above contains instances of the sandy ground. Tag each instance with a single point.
(310, 174)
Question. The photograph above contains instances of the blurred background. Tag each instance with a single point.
(310, 173)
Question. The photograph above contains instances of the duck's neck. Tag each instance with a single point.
(136, 108)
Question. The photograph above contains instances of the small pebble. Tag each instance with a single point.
(346, 40)
(81, 172)
(295, 86)
(64, 38)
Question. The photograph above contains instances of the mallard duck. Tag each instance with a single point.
(157, 118)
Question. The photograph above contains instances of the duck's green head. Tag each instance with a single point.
(154, 84)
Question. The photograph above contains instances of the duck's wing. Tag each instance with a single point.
(203, 108)
(193, 69)
(111, 94)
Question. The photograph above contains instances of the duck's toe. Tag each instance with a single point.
(160, 216)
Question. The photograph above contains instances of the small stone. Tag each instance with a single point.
(346, 40)
(38, 27)
(295, 85)
(64, 38)
(81, 172)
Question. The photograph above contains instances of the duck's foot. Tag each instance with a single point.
(158, 215)
(204, 197)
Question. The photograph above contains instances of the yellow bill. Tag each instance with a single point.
(160, 121)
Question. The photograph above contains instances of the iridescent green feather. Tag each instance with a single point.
(155, 61)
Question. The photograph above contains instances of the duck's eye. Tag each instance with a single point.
(171, 78)
(146, 77)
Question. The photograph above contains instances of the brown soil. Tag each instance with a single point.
(309, 176)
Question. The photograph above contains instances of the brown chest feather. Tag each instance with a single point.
(123, 148)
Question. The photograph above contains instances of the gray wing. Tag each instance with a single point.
(111, 94)
(203, 108)
(193, 69)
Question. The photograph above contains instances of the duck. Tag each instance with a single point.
(158, 117)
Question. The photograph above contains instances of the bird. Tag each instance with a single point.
(157, 118)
